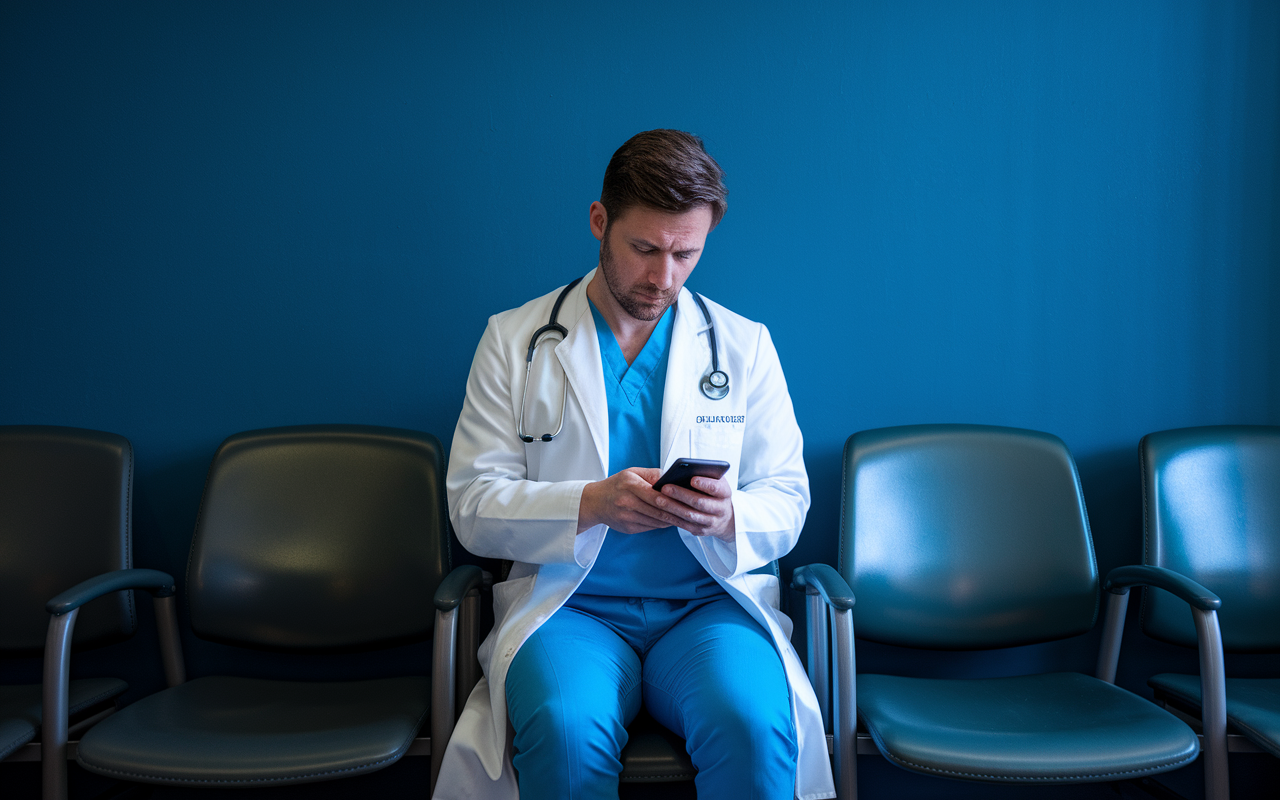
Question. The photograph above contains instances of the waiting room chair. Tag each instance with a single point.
(65, 526)
(1211, 502)
(967, 537)
(653, 754)
(309, 539)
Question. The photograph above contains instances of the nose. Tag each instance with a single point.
(663, 274)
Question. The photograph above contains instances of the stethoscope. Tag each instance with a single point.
(715, 384)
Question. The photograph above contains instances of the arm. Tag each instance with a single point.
(496, 511)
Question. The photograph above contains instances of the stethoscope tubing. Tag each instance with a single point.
(715, 385)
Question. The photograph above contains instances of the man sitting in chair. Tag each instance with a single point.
(622, 595)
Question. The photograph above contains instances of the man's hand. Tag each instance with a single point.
(627, 503)
(707, 510)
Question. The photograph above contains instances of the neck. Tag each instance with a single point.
(631, 333)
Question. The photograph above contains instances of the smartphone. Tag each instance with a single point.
(684, 470)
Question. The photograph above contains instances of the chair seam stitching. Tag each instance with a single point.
(291, 778)
(1168, 764)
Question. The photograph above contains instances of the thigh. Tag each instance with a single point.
(571, 690)
(716, 679)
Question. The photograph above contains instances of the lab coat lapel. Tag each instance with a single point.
(579, 356)
(682, 368)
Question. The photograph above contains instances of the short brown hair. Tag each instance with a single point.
(663, 169)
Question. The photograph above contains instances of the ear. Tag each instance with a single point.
(599, 220)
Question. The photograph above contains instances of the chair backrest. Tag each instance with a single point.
(965, 537)
(320, 537)
(1211, 504)
(64, 518)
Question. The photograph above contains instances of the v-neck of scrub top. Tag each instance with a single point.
(654, 563)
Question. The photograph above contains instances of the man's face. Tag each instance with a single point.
(646, 255)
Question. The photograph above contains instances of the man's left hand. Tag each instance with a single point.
(706, 510)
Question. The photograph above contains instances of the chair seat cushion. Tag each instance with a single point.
(1253, 704)
(654, 754)
(1056, 728)
(221, 731)
(20, 716)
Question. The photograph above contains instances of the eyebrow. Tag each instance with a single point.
(637, 242)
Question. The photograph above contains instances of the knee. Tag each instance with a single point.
(557, 723)
(549, 715)
(752, 729)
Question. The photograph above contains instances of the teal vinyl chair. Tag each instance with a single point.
(65, 527)
(968, 537)
(1212, 513)
(309, 539)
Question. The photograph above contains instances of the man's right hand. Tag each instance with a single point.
(625, 502)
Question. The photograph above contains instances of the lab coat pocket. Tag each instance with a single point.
(766, 591)
(721, 444)
(765, 588)
(509, 593)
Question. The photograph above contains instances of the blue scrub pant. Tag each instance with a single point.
(703, 668)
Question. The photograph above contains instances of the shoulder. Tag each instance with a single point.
(732, 328)
(522, 320)
(724, 316)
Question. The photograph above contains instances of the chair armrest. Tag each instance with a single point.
(832, 670)
(1213, 681)
(456, 585)
(829, 584)
(1120, 579)
(159, 584)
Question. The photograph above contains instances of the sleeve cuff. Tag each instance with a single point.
(586, 545)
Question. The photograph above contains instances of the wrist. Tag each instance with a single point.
(587, 516)
(730, 529)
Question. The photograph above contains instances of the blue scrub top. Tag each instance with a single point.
(653, 563)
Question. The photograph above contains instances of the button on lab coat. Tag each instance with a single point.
(517, 501)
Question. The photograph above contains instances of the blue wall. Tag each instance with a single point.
(1058, 215)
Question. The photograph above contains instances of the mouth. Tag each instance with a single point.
(653, 299)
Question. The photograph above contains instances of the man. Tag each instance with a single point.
(621, 595)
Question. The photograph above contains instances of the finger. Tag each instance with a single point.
(693, 499)
(688, 515)
(644, 506)
(715, 487)
(640, 524)
(650, 475)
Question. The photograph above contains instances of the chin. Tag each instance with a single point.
(648, 312)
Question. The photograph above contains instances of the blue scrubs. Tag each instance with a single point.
(649, 625)
(654, 563)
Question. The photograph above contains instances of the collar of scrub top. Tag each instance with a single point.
(715, 384)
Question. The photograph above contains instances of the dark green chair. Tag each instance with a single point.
(309, 539)
(1212, 512)
(968, 537)
(65, 524)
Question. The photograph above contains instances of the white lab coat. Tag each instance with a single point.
(517, 501)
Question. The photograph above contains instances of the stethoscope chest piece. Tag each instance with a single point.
(715, 385)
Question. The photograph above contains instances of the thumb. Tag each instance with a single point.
(649, 474)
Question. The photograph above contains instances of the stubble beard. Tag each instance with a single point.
(644, 312)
